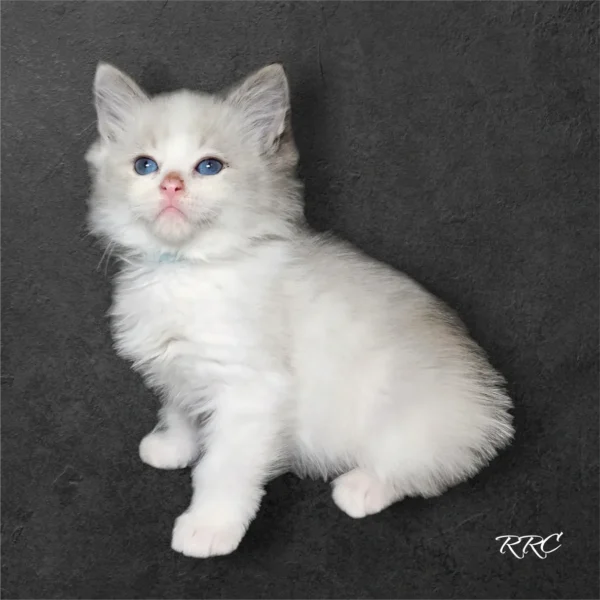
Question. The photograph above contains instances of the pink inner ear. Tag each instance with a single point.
(264, 99)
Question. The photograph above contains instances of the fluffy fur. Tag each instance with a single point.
(272, 348)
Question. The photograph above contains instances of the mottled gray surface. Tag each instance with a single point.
(457, 141)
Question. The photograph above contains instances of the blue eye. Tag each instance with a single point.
(144, 165)
(209, 166)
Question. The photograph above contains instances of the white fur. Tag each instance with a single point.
(273, 348)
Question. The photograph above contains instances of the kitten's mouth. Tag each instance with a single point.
(171, 212)
(171, 224)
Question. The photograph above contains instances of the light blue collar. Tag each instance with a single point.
(169, 257)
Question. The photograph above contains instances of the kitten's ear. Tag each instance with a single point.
(117, 98)
(264, 98)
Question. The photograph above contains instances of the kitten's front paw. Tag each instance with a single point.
(358, 494)
(197, 535)
(165, 450)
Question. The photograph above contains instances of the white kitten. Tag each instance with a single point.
(271, 348)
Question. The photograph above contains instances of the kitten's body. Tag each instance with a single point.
(275, 349)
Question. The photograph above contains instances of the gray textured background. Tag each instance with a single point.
(457, 141)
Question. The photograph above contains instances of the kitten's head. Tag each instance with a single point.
(190, 172)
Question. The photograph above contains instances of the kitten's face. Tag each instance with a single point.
(169, 168)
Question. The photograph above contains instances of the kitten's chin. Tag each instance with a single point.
(172, 226)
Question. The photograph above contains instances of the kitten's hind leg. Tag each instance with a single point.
(360, 493)
(173, 444)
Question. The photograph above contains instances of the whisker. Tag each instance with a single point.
(85, 129)
(106, 254)
(110, 251)
(126, 259)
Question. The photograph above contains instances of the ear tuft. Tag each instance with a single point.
(264, 99)
(117, 98)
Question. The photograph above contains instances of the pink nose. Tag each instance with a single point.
(172, 187)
